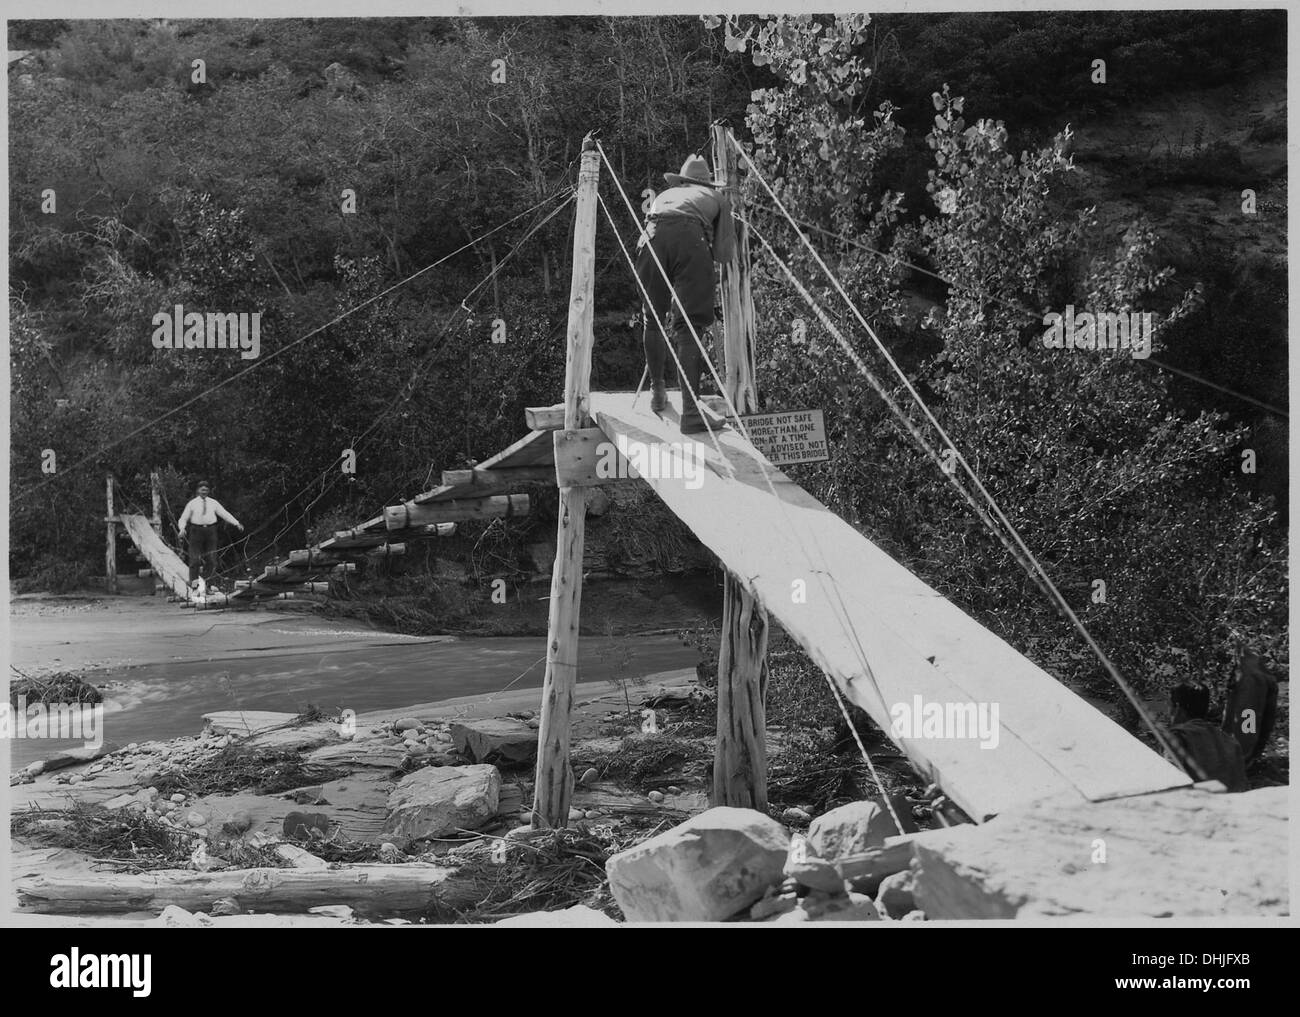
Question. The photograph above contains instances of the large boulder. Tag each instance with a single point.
(849, 830)
(707, 869)
(1183, 853)
(495, 739)
(439, 799)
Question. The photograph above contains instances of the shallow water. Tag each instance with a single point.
(169, 700)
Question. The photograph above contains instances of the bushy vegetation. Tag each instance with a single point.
(937, 139)
(1106, 475)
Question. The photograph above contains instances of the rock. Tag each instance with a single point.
(656, 796)
(35, 769)
(673, 789)
(244, 723)
(894, 897)
(76, 778)
(576, 814)
(819, 907)
(121, 802)
(509, 741)
(914, 916)
(174, 917)
(577, 917)
(438, 800)
(521, 833)
(390, 853)
(74, 757)
(178, 797)
(406, 724)
(793, 815)
(772, 905)
(149, 778)
(299, 858)
(133, 747)
(332, 910)
(237, 823)
(314, 795)
(196, 819)
(851, 829)
(707, 869)
(1185, 853)
(816, 874)
(589, 777)
(298, 825)
(224, 906)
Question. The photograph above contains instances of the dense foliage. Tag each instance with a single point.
(1103, 473)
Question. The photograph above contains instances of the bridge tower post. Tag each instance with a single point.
(740, 763)
(554, 784)
(110, 546)
(155, 494)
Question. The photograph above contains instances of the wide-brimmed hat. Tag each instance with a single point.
(694, 171)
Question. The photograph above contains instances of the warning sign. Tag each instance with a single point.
(789, 437)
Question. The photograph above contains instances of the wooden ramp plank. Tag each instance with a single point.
(166, 564)
(862, 605)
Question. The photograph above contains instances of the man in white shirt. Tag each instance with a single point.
(200, 518)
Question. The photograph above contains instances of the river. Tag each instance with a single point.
(152, 701)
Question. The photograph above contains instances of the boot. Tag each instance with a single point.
(658, 395)
(689, 355)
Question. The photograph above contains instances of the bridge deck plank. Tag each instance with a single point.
(861, 605)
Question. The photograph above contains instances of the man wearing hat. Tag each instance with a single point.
(200, 518)
(689, 227)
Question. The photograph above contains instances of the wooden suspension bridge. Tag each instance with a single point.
(878, 632)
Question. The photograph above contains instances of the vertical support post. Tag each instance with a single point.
(740, 761)
(554, 783)
(110, 546)
(155, 491)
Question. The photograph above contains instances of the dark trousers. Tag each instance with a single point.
(685, 256)
(203, 549)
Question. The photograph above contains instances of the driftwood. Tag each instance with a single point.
(369, 889)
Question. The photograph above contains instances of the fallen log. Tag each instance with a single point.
(368, 889)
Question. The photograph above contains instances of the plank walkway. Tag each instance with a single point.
(166, 564)
(882, 634)
(530, 459)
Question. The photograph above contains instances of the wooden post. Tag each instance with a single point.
(554, 783)
(740, 761)
(110, 547)
(155, 491)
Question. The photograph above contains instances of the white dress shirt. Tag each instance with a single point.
(204, 512)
